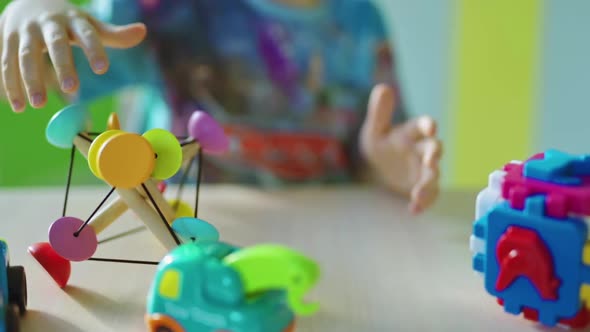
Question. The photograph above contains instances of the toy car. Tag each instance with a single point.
(13, 289)
(214, 286)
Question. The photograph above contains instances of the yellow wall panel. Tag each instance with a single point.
(495, 85)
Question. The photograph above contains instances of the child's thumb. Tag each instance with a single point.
(120, 36)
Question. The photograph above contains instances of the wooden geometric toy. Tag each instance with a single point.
(135, 167)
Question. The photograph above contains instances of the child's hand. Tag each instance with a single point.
(29, 28)
(405, 156)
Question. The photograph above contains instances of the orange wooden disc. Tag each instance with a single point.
(97, 143)
(126, 160)
(113, 122)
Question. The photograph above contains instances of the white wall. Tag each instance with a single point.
(422, 35)
(563, 120)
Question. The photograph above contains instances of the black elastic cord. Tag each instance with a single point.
(199, 179)
(129, 261)
(187, 141)
(95, 211)
(170, 230)
(121, 235)
(182, 182)
(85, 138)
(69, 181)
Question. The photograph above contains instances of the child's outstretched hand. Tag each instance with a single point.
(30, 28)
(406, 156)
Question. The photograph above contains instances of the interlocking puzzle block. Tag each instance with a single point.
(524, 265)
(559, 168)
(561, 199)
(530, 241)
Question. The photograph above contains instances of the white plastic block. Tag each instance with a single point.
(490, 196)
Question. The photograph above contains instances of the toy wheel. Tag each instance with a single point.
(163, 323)
(17, 287)
(12, 322)
(291, 327)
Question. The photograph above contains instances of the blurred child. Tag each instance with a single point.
(306, 89)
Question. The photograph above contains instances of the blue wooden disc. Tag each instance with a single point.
(65, 125)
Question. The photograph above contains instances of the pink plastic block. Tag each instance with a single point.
(561, 200)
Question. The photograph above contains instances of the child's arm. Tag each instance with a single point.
(403, 153)
(405, 157)
(31, 28)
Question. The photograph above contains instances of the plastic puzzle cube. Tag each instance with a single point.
(530, 238)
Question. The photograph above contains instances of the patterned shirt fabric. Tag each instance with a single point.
(289, 84)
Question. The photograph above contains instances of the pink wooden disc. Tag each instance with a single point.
(203, 128)
(73, 248)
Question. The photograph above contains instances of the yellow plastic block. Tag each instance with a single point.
(585, 291)
(170, 284)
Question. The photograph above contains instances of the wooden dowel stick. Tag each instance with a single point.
(108, 215)
(148, 216)
(189, 151)
(166, 209)
(82, 145)
(118, 207)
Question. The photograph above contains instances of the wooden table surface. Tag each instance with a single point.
(383, 270)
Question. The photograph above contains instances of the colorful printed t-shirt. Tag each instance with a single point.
(289, 84)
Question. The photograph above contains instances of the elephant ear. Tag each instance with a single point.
(222, 284)
(218, 250)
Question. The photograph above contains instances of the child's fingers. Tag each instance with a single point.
(425, 191)
(420, 127)
(58, 45)
(31, 68)
(380, 111)
(122, 37)
(430, 151)
(85, 35)
(10, 72)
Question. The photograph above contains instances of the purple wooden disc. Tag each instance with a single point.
(66, 244)
(208, 133)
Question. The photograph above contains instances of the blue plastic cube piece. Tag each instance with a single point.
(564, 238)
(556, 167)
(479, 228)
(582, 165)
(479, 263)
(559, 167)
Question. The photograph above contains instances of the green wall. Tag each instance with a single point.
(27, 159)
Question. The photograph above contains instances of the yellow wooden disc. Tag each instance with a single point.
(126, 160)
(113, 122)
(182, 209)
(95, 147)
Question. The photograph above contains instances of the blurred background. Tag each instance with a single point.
(503, 78)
